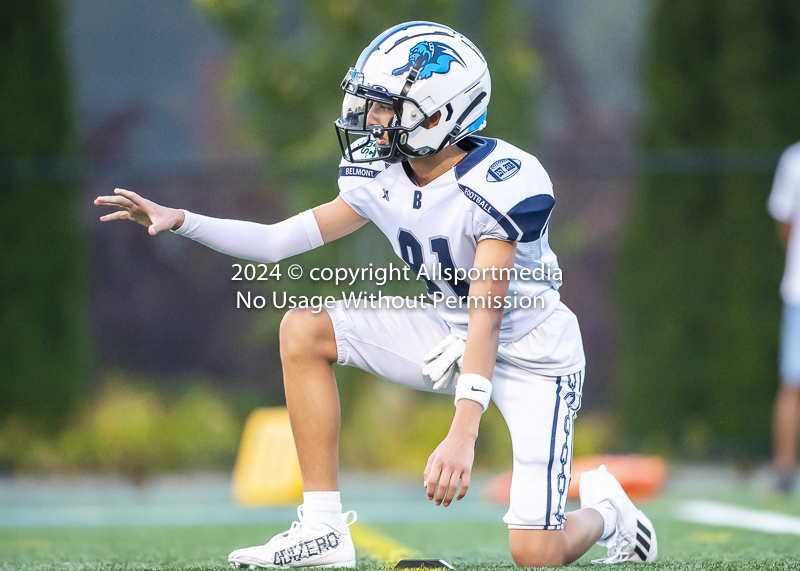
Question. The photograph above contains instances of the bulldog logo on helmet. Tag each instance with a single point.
(436, 56)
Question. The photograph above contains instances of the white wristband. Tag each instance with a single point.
(474, 387)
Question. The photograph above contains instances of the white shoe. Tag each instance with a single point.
(306, 544)
(634, 538)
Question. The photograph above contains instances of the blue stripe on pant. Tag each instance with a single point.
(552, 455)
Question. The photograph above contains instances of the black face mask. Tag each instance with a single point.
(353, 127)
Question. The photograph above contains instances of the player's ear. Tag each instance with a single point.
(432, 121)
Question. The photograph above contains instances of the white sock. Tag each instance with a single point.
(609, 514)
(323, 507)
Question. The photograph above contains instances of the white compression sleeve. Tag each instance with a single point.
(252, 241)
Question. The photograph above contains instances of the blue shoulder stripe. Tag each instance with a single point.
(531, 215)
(504, 222)
(476, 155)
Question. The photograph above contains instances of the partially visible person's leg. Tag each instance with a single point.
(786, 417)
(786, 421)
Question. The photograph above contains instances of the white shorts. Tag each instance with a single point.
(537, 384)
(790, 342)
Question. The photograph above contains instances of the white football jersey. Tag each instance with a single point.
(784, 205)
(496, 191)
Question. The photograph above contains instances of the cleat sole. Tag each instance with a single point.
(350, 563)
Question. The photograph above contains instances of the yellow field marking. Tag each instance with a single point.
(710, 537)
(379, 547)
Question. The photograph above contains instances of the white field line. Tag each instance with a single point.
(723, 515)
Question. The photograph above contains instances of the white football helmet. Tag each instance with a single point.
(418, 68)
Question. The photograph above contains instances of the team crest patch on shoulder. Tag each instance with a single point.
(503, 169)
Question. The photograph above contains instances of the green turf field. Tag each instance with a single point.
(467, 544)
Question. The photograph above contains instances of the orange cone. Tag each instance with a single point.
(641, 477)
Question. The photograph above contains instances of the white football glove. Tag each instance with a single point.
(445, 361)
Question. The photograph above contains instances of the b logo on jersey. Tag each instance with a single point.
(436, 58)
(503, 169)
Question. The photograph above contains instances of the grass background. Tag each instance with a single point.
(468, 545)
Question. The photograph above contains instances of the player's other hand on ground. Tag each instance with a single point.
(128, 205)
(450, 463)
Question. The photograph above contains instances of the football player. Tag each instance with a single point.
(450, 203)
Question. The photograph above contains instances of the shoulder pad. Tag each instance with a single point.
(488, 176)
(503, 174)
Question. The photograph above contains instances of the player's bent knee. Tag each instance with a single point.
(305, 334)
(529, 558)
(537, 548)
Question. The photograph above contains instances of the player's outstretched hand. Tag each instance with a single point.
(130, 206)
(450, 462)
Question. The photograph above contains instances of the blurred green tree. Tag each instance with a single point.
(700, 264)
(43, 333)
